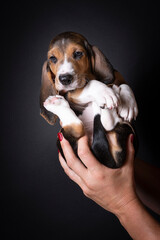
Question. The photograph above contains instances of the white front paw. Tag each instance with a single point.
(128, 113)
(107, 98)
(52, 102)
(128, 108)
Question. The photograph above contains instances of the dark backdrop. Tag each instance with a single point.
(40, 202)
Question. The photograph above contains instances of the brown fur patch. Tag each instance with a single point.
(72, 96)
(75, 130)
(46, 118)
(113, 143)
(118, 78)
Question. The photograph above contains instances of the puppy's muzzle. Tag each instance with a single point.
(65, 79)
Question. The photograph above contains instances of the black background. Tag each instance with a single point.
(40, 201)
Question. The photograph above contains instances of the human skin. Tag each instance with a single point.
(112, 189)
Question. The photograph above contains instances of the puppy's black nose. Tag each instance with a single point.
(65, 79)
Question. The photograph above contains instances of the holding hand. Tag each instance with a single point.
(110, 188)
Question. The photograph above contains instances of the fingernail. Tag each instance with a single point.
(132, 138)
(58, 151)
(60, 136)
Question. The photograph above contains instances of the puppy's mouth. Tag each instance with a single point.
(77, 82)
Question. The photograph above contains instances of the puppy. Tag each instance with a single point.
(81, 87)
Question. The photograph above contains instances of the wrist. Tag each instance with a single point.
(137, 221)
(125, 203)
(127, 209)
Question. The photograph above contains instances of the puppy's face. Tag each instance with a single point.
(70, 62)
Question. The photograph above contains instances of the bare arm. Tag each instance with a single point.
(112, 189)
(138, 222)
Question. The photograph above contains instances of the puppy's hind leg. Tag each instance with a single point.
(118, 140)
(72, 126)
(100, 145)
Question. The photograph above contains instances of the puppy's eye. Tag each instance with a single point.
(53, 59)
(77, 54)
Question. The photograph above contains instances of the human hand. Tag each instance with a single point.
(112, 189)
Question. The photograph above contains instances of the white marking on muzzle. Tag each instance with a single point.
(65, 67)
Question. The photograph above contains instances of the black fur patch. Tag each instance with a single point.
(100, 145)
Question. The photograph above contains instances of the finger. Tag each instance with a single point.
(72, 161)
(130, 149)
(71, 174)
(86, 155)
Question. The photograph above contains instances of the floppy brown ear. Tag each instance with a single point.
(47, 89)
(101, 66)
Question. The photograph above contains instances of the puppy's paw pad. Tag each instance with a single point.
(52, 102)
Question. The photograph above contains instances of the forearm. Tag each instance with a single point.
(138, 222)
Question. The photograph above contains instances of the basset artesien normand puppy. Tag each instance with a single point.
(81, 87)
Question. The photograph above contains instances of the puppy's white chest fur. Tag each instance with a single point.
(87, 118)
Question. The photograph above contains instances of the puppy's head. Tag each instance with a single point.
(69, 60)
(71, 63)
